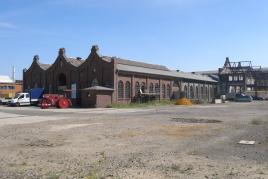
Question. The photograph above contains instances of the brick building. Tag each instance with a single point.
(9, 87)
(101, 80)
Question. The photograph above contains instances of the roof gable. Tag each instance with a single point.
(74, 62)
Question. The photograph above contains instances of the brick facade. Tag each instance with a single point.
(123, 77)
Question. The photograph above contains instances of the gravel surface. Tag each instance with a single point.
(158, 142)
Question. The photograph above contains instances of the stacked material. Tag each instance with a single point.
(183, 101)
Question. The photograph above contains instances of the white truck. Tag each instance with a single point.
(26, 99)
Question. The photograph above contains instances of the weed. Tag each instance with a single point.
(256, 122)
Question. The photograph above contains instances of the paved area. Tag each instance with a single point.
(157, 142)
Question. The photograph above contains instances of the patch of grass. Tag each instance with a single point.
(199, 101)
(53, 176)
(142, 105)
(95, 172)
(93, 175)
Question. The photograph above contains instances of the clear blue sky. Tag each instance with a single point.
(189, 35)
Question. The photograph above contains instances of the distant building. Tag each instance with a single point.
(240, 77)
(8, 88)
(102, 80)
(243, 77)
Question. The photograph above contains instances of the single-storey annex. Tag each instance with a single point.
(101, 80)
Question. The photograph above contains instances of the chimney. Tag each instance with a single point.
(95, 48)
(62, 51)
(13, 74)
(36, 58)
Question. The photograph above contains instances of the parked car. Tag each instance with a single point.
(243, 98)
(257, 98)
(4, 101)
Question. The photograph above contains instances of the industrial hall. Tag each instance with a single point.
(99, 81)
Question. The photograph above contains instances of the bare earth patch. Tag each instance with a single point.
(201, 142)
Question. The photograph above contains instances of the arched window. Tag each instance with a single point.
(62, 80)
(151, 88)
(168, 91)
(127, 90)
(120, 90)
(143, 87)
(211, 92)
(137, 87)
(191, 92)
(202, 92)
(163, 90)
(186, 91)
(197, 92)
(206, 94)
(156, 88)
(94, 82)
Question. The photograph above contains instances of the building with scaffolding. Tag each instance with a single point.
(243, 77)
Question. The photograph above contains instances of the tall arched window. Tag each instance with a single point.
(120, 90)
(168, 91)
(163, 91)
(156, 88)
(62, 80)
(186, 91)
(202, 92)
(206, 94)
(211, 93)
(191, 92)
(197, 92)
(127, 90)
(137, 87)
(151, 88)
(143, 87)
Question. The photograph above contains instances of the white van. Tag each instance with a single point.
(21, 99)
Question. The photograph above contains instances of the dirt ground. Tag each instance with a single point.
(158, 142)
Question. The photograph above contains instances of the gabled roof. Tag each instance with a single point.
(74, 61)
(36, 62)
(44, 66)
